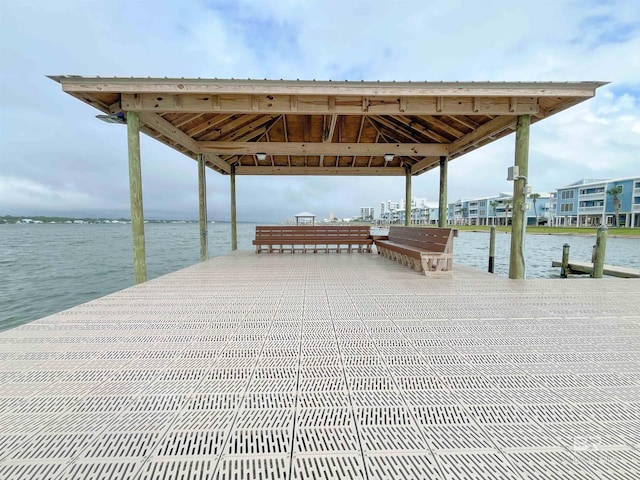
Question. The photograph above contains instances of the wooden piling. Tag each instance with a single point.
(601, 247)
(407, 196)
(564, 268)
(516, 258)
(492, 248)
(234, 230)
(442, 199)
(202, 204)
(135, 192)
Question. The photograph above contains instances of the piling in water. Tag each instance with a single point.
(492, 248)
(564, 268)
(601, 247)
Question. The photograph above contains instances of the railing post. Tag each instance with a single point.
(492, 248)
(564, 268)
(601, 247)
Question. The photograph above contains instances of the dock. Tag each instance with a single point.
(587, 268)
(328, 366)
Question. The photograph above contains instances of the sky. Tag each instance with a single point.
(57, 159)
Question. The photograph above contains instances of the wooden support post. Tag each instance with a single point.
(516, 259)
(202, 206)
(492, 248)
(135, 192)
(234, 231)
(407, 196)
(442, 202)
(564, 268)
(601, 247)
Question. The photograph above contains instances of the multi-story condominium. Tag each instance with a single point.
(421, 212)
(497, 210)
(367, 214)
(589, 203)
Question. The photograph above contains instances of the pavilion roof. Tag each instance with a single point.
(278, 127)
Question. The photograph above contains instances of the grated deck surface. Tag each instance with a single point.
(328, 366)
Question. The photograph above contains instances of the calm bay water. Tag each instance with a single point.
(50, 267)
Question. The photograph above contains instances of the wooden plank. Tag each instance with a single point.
(328, 104)
(612, 270)
(320, 148)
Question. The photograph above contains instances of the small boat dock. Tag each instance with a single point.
(582, 268)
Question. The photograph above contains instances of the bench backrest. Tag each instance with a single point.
(312, 231)
(431, 239)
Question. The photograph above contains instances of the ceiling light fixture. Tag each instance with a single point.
(113, 118)
(388, 157)
(261, 156)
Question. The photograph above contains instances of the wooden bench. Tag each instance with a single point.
(423, 249)
(317, 237)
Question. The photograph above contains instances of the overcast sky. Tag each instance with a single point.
(56, 158)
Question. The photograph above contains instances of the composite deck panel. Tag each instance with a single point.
(328, 366)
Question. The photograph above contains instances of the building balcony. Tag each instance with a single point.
(597, 209)
(593, 196)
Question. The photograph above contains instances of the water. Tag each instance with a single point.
(50, 267)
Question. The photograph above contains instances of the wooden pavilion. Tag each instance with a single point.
(276, 127)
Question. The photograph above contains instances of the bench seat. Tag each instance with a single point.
(423, 249)
(306, 238)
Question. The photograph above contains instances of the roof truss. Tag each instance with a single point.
(325, 128)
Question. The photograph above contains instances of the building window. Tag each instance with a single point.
(591, 191)
(566, 194)
(566, 207)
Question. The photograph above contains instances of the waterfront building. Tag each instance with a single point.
(594, 202)
(367, 214)
(422, 212)
(498, 210)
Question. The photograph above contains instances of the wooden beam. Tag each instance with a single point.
(319, 148)
(484, 131)
(328, 171)
(280, 87)
(329, 104)
(215, 160)
(159, 124)
(423, 165)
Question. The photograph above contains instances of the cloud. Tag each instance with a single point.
(54, 155)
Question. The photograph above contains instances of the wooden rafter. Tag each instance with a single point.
(208, 125)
